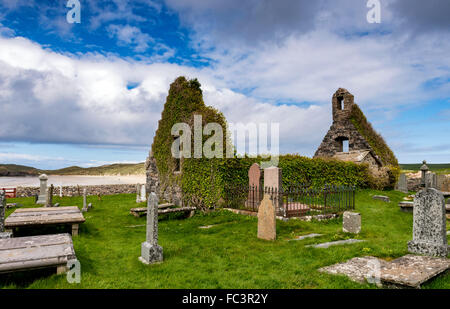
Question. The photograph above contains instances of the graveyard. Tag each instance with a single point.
(224, 145)
(220, 249)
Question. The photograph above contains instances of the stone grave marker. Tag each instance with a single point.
(382, 198)
(3, 234)
(151, 252)
(267, 224)
(351, 222)
(138, 193)
(402, 184)
(49, 200)
(143, 194)
(429, 229)
(85, 207)
(272, 180)
(255, 185)
(42, 198)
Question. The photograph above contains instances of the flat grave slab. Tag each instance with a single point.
(25, 253)
(406, 206)
(381, 198)
(409, 271)
(142, 211)
(306, 236)
(24, 217)
(326, 245)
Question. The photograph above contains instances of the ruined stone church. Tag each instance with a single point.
(352, 138)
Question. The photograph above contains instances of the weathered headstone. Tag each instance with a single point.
(267, 224)
(402, 184)
(429, 229)
(3, 234)
(423, 170)
(273, 181)
(352, 222)
(85, 208)
(42, 198)
(49, 201)
(143, 194)
(255, 185)
(431, 180)
(151, 252)
(138, 193)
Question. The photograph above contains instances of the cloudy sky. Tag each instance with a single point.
(92, 93)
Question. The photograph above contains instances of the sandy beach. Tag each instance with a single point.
(12, 182)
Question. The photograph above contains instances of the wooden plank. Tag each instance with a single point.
(35, 252)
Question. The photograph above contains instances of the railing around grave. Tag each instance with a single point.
(296, 201)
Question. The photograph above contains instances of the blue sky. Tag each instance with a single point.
(92, 93)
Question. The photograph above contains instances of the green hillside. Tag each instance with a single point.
(112, 169)
(443, 168)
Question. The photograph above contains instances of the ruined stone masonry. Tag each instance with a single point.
(343, 132)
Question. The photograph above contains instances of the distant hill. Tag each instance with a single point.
(437, 168)
(17, 170)
(112, 169)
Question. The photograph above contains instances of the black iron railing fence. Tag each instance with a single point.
(296, 201)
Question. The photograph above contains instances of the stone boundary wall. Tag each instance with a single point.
(73, 190)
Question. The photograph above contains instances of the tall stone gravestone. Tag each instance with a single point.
(3, 234)
(85, 207)
(42, 198)
(402, 184)
(143, 194)
(151, 252)
(272, 181)
(267, 224)
(49, 201)
(138, 193)
(429, 229)
(431, 180)
(255, 185)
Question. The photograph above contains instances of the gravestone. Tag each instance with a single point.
(429, 229)
(3, 234)
(351, 222)
(272, 180)
(143, 194)
(423, 171)
(85, 208)
(267, 225)
(402, 184)
(431, 180)
(49, 201)
(42, 198)
(138, 193)
(255, 185)
(151, 252)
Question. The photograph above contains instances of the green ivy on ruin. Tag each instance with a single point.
(374, 139)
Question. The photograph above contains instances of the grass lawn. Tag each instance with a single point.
(227, 255)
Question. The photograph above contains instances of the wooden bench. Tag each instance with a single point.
(138, 212)
(27, 217)
(26, 253)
